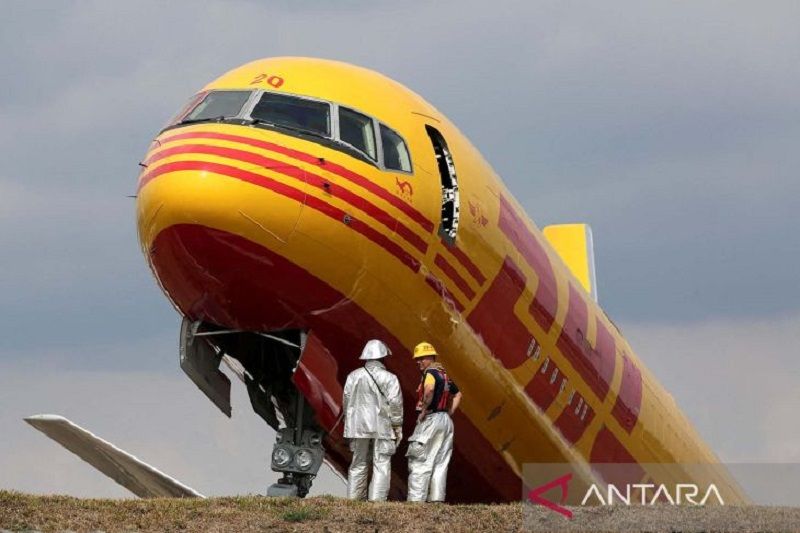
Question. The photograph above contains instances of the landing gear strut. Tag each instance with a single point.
(297, 453)
(268, 363)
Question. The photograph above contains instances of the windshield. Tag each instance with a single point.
(395, 152)
(356, 130)
(218, 104)
(294, 113)
(336, 126)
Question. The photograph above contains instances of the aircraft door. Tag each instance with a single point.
(450, 206)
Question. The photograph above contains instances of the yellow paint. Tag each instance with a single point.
(395, 295)
(571, 244)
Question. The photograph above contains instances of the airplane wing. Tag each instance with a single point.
(138, 477)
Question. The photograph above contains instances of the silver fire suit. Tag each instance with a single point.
(373, 406)
(429, 451)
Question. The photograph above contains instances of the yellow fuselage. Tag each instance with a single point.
(255, 227)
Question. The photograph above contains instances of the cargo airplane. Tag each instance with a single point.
(296, 208)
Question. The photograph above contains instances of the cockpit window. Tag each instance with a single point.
(331, 124)
(218, 104)
(188, 106)
(395, 152)
(356, 130)
(294, 113)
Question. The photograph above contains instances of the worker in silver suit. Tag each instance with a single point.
(431, 444)
(373, 418)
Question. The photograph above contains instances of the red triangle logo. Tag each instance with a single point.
(535, 495)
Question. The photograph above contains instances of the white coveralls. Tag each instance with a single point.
(429, 451)
(373, 406)
(430, 448)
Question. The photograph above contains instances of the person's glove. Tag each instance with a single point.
(398, 435)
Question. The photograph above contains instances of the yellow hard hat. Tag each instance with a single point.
(424, 349)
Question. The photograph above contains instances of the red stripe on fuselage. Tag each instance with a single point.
(573, 420)
(612, 461)
(542, 391)
(451, 273)
(301, 175)
(629, 400)
(339, 170)
(494, 320)
(443, 293)
(545, 301)
(466, 262)
(290, 192)
(596, 367)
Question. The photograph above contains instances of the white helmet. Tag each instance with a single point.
(375, 349)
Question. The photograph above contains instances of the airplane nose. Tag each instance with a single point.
(194, 181)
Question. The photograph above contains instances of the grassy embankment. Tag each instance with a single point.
(20, 512)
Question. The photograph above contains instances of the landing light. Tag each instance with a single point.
(303, 459)
(281, 457)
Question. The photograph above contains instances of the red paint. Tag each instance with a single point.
(405, 187)
(477, 214)
(605, 351)
(629, 400)
(290, 192)
(300, 175)
(612, 461)
(542, 392)
(494, 320)
(439, 288)
(572, 425)
(274, 81)
(238, 284)
(466, 262)
(451, 273)
(545, 301)
(225, 170)
(536, 495)
(315, 378)
(595, 371)
(362, 181)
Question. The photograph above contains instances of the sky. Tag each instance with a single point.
(670, 127)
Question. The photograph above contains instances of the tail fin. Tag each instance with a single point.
(574, 245)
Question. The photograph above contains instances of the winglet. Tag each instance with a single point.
(137, 476)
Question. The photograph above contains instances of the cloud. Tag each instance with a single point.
(669, 127)
(735, 379)
(162, 419)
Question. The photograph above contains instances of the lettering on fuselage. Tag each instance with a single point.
(494, 318)
(476, 212)
(274, 81)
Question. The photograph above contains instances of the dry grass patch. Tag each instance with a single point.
(19, 512)
(247, 513)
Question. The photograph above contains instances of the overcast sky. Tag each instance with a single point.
(671, 127)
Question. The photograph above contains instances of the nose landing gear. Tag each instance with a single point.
(266, 363)
(297, 453)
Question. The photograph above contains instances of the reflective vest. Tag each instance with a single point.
(441, 390)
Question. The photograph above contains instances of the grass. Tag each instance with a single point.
(301, 515)
(20, 512)
(246, 513)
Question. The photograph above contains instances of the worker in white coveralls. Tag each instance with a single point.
(373, 418)
(431, 445)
